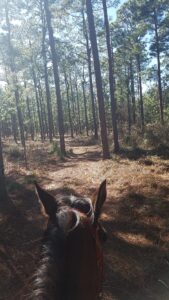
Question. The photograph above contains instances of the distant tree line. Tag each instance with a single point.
(68, 69)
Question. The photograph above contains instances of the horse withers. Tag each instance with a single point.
(71, 262)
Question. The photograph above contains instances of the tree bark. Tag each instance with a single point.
(43, 110)
(104, 138)
(3, 191)
(48, 95)
(56, 77)
(73, 105)
(128, 102)
(14, 127)
(85, 107)
(133, 99)
(141, 92)
(158, 67)
(111, 79)
(78, 108)
(38, 103)
(15, 81)
(5, 203)
(20, 119)
(68, 103)
(88, 50)
(31, 125)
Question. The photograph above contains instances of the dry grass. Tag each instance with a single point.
(136, 217)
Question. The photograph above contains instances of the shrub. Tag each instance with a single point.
(30, 178)
(16, 154)
(135, 139)
(157, 135)
(56, 149)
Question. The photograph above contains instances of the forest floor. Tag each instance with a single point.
(136, 215)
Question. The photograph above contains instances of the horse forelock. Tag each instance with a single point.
(67, 219)
(70, 211)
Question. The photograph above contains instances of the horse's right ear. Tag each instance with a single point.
(101, 198)
(48, 201)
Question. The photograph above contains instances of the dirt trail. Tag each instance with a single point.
(135, 216)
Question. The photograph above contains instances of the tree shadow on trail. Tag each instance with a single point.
(134, 154)
(83, 142)
(20, 234)
(137, 248)
(86, 156)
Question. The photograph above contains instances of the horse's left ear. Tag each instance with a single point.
(101, 198)
(48, 201)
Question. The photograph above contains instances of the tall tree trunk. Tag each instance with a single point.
(37, 95)
(128, 102)
(15, 81)
(158, 67)
(48, 95)
(140, 91)
(85, 107)
(14, 127)
(100, 97)
(3, 191)
(20, 120)
(3, 129)
(88, 50)
(56, 77)
(34, 116)
(38, 104)
(111, 79)
(68, 103)
(31, 125)
(95, 126)
(43, 110)
(74, 123)
(5, 203)
(78, 108)
(133, 99)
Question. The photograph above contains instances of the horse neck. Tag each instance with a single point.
(48, 281)
(81, 264)
(68, 267)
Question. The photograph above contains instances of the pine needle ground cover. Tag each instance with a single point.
(136, 216)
